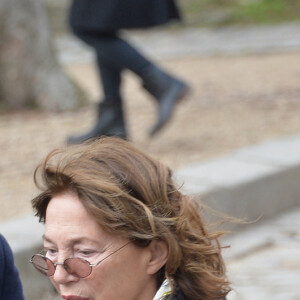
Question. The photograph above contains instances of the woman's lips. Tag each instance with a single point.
(74, 297)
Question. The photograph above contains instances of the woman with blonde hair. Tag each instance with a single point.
(117, 227)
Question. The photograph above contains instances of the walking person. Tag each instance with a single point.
(98, 24)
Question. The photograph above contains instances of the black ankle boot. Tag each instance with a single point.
(110, 122)
(167, 90)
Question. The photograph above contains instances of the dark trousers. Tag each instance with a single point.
(114, 55)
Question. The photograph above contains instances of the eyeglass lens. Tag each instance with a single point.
(75, 266)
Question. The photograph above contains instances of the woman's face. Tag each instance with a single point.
(72, 232)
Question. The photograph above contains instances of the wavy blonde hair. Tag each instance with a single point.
(133, 195)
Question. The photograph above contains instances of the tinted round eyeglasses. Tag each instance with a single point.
(75, 266)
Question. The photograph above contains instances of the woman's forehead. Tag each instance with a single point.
(66, 207)
(67, 217)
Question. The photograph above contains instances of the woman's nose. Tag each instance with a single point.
(61, 276)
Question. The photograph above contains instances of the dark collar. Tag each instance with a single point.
(179, 296)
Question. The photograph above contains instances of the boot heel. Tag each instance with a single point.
(167, 104)
(167, 90)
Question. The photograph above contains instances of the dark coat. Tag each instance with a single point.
(121, 14)
(180, 296)
(10, 284)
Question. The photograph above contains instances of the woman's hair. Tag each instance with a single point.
(133, 195)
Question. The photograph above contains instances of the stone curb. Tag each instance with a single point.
(255, 182)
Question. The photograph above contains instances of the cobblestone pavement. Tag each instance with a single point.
(264, 260)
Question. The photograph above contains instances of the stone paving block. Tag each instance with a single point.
(193, 188)
(281, 153)
(191, 185)
(254, 182)
(261, 198)
(225, 172)
(271, 272)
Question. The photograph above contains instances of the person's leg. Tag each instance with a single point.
(110, 116)
(165, 88)
(110, 78)
(118, 54)
(115, 52)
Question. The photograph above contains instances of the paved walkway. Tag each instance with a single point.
(198, 41)
(264, 260)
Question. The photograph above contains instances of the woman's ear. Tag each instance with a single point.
(159, 255)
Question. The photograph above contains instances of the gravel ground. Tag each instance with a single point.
(236, 101)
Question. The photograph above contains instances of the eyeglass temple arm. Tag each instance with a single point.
(109, 255)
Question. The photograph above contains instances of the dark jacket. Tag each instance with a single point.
(180, 296)
(10, 283)
(103, 15)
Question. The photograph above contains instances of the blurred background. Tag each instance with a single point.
(241, 57)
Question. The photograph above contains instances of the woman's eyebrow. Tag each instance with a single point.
(45, 238)
(73, 241)
(81, 240)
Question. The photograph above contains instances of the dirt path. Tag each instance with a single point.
(236, 101)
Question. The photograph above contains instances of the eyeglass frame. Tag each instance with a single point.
(63, 263)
